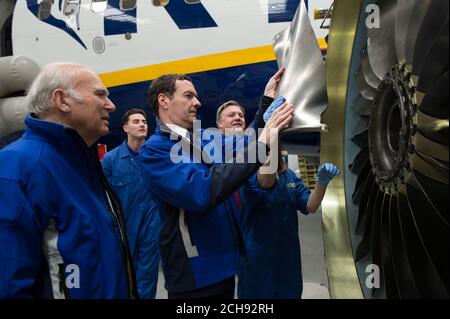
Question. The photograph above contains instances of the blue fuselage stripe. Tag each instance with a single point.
(189, 16)
(118, 21)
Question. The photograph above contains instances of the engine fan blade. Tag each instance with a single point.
(435, 102)
(359, 161)
(381, 41)
(363, 184)
(370, 77)
(405, 278)
(433, 128)
(375, 242)
(360, 135)
(430, 30)
(366, 90)
(430, 167)
(387, 264)
(431, 148)
(362, 106)
(431, 227)
(418, 13)
(365, 212)
(425, 275)
(437, 193)
(404, 12)
(365, 216)
(436, 62)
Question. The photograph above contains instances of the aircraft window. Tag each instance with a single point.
(45, 8)
(160, 3)
(71, 7)
(99, 6)
(192, 1)
(127, 4)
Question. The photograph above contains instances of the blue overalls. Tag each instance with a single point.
(141, 212)
(272, 268)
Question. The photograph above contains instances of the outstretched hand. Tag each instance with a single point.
(272, 85)
(273, 107)
(326, 173)
(280, 120)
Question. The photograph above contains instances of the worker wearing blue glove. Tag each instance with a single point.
(326, 173)
(272, 268)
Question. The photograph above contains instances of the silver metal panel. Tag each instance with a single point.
(304, 81)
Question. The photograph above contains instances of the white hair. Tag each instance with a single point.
(53, 76)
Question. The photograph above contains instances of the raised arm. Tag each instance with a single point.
(197, 187)
(325, 174)
(267, 99)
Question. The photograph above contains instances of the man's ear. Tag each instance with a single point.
(163, 101)
(59, 100)
(125, 128)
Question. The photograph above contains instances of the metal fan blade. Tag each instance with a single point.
(375, 240)
(433, 128)
(431, 28)
(304, 82)
(366, 90)
(364, 221)
(406, 284)
(429, 167)
(431, 227)
(362, 106)
(360, 160)
(431, 148)
(424, 190)
(370, 77)
(436, 61)
(387, 265)
(426, 277)
(435, 102)
(437, 194)
(360, 135)
(364, 181)
(404, 11)
(418, 13)
(381, 41)
(365, 216)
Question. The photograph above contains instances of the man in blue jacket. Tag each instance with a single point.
(62, 234)
(200, 239)
(140, 208)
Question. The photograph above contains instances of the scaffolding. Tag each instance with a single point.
(308, 172)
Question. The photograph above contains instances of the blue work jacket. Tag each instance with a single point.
(62, 234)
(272, 268)
(141, 215)
(200, 240)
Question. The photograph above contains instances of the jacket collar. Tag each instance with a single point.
(169, 129)
(53, 132)
(124, 150)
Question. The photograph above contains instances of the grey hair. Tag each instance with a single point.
(224, 106)
(53, 76)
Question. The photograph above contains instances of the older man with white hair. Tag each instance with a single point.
(62, 234)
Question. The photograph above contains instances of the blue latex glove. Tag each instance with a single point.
(326, 173)
(279, 101)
